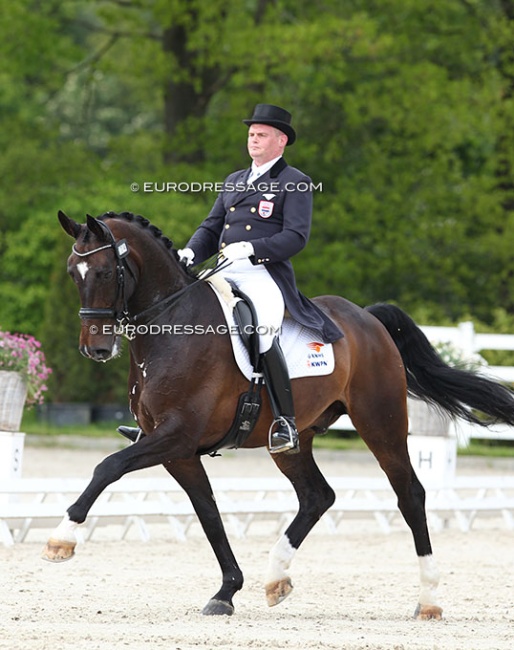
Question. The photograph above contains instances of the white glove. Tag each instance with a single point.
(239, 250)
(186, 255)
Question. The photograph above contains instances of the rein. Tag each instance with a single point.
(174, 297)
(121, 251)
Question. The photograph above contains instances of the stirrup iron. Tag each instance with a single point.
(284, 438)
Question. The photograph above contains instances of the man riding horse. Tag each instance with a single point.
(120, 264)
(261, 218)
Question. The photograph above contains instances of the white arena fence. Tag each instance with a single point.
(464, 336)
(26, 504)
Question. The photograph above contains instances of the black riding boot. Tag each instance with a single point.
(132, 433)
(283, 435)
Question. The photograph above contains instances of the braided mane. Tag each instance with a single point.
(143, 222)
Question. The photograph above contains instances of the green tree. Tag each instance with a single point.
(403, 110)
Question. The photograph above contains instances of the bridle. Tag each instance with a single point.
(121, 250)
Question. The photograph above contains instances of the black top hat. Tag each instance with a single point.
(274, 116)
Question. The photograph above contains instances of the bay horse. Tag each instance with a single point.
(183, 392)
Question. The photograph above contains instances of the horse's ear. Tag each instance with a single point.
(71, 227)
(96, 228)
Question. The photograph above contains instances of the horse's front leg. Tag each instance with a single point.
(150, 451)
(191, 476)
(315, 497)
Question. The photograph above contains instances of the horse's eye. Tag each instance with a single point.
(105, 274)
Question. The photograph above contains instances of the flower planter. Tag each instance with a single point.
(13, 393)
(426, 420)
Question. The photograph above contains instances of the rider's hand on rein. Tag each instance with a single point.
(186, 255)
(237, 251)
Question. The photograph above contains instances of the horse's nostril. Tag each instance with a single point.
(101, 354)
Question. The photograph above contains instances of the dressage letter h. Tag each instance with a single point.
(422, 460)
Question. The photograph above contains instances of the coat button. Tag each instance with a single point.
(253, 209)
(248, 227)
(227, 226)
(223, 245)
(232, 209)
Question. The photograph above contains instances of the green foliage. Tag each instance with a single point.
(26, 267)
(403, 111)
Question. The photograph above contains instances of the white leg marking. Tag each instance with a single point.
(83, 268)
(429, 579)
(280, 558)
(65, 531)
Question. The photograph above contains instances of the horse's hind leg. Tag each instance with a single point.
(390, 449)
(411, 502)
(315, 497)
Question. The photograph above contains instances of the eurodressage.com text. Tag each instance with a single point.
(264, 188)
(178, 329)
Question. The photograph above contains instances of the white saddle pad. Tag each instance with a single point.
(305, 354)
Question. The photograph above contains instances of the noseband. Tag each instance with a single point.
(121, 251)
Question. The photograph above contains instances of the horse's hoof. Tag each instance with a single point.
(428, 612)
(218, 608)
(278, 591)
(55, 551)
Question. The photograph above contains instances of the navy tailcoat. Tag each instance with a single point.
(275, 214)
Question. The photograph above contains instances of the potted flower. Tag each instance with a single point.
(23, 373)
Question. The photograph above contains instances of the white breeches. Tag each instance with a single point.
(267, 298)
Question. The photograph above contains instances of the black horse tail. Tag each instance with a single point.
(454, 390)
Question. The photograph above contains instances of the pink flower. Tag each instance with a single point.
(22, 353)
